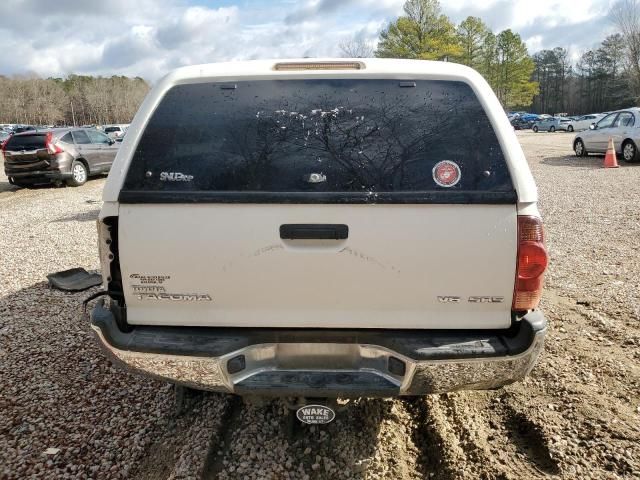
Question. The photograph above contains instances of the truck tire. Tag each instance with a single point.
(535, 129)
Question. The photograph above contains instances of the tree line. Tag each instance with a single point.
(597, 82)
(75, 100)
(425, 33)
(605, 78)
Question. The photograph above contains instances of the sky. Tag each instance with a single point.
(148, 38)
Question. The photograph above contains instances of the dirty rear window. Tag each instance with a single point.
(26, 142)
(346, 140)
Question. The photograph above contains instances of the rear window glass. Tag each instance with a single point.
(26, 142)
(112, 129)
(317, 140)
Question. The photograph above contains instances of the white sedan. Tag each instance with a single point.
(622, 126)
(583, 123)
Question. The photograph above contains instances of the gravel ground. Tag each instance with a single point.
(65, 412)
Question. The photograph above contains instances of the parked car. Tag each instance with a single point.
(4, 136)
(551, 124)
(115, 131)
(311, 273)
(622, 126)
(512, 115)
(529, 117)
(578, 124)
(521, 124)
(56, 155)
(23, 128)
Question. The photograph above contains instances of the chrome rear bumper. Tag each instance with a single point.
(321, 363)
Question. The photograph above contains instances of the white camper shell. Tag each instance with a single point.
(322, 228)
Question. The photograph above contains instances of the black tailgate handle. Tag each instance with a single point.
(314, 231)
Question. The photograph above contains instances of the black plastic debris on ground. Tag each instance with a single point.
(74, 280)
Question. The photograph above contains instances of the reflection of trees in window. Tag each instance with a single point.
(362, 141)
(363, 136)
(250, 146)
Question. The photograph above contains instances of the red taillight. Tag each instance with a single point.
(51, 147)
(532, 262)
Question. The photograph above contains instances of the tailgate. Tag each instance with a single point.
(24, 152)
(399, 267)
(412, 168)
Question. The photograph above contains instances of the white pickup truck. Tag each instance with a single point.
(322, 229)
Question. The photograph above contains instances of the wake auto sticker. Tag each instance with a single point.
(315, 414)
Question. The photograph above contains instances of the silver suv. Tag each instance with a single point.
(552, 124)
(57, 155)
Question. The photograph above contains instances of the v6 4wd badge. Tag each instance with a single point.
(472, 299)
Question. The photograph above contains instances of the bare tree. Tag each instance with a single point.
(76, 100)
(355, 48)
(625, 14)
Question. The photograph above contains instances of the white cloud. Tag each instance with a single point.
(150, 37)
(197, 25)
(535, 43)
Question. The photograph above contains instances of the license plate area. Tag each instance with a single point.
(317, 356)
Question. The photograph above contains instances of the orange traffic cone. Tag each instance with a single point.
(610, 160)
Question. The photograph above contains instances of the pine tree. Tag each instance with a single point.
(553, 73)
(512, 80)
(471, 34)
(423, 32)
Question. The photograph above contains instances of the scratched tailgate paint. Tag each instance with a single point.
(226, 265)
